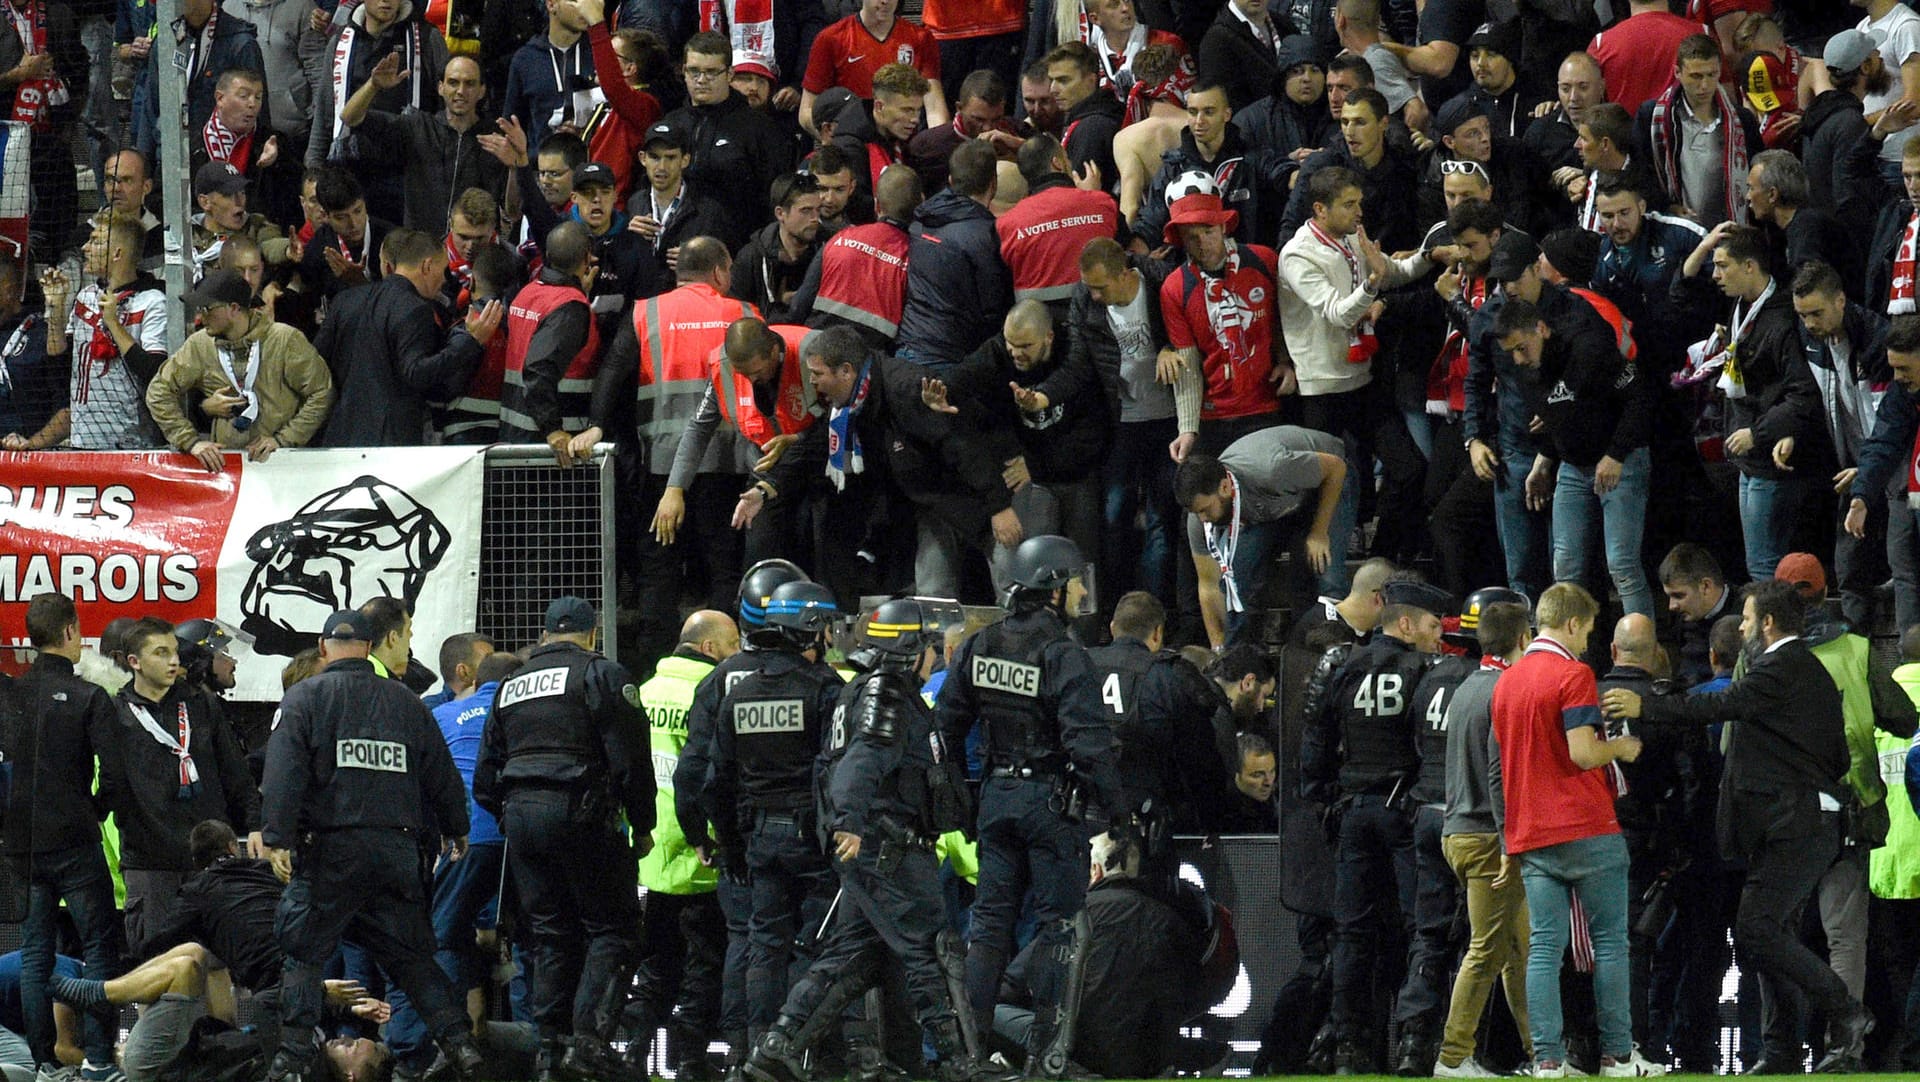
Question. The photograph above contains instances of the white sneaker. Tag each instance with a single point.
(1634, 1066)
(1549, 1070)
(1467, 1068)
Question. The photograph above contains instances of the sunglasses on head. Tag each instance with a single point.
(1455, 166)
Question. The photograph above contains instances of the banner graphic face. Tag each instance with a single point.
(270, 548)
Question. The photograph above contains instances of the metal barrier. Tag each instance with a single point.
(546, 531)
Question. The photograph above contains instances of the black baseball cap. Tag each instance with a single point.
(217, 288)
(670, 132)
(570, 615)
(1513, 253)
(219, 177)
(594, 175)
(347, 625)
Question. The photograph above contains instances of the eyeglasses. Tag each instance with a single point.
(704, 75)
(1456, 166)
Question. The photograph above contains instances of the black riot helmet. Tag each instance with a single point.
(802, 611)
(757, 587)
(200, 641)
(900, 628)
(1041, 566)
(1476, 603)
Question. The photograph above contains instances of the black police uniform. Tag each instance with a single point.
(1359, 748)
(886, 777)
(360, 785)
(758, 796)
(1161, 711)
(564, 752)
(1424, 996)
(1032, 688)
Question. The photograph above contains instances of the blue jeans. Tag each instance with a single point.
(462, 891)
(1769, 509)
(1522, 533)
(1260, 542)
(1620, 516)
(1596, 870)
(77, 874)
(1139, 481)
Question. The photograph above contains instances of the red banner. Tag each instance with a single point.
(118, 533)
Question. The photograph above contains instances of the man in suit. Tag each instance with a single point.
(1780, 802)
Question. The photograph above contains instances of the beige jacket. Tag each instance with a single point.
(294, 385)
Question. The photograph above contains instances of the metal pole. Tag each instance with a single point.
(173, 48)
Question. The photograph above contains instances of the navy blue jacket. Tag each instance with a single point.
(958, 289)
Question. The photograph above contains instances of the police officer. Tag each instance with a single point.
(690, 780)
(888, 788)
(563, 755)
(206, 656)
(1047, 744)
(357, 776)
(1423, 999)
(686, 933)
(770, 720)
(1169, 769)
(1359, 752)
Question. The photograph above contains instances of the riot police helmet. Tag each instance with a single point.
(757, 587)
(1478, 602)
(1041, 566)
(203, 640)
(802, 611)
(899, 628)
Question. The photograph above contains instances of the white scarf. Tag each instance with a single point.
(1222, 544)
(189, 773)
(1732, 380)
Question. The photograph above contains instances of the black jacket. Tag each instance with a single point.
(1088, 131)
(1653, 811)
(389, 357)
(141, 784)
(1831, 124)
(441, 162)
(958, 289)
(853, 131)
(1593, 401)
(235, 44)
(1389, 196)
(58, 725)
(1277, 125)
(1256, 187)
(763, 278)
(737, 151)
(228, 907)
(1232, 56)
(357, 750)
(313, 260)
(1521, 187)
(1817, 235)
(1090, 333)
(1866, 334)
(1781, 398)
(941, 462)
(1788, 745)
(1065, 442)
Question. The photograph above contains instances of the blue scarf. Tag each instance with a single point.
(843, 440)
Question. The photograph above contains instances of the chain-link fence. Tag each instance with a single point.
(545, 531)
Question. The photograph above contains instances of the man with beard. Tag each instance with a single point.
(442, 150)
(771, 266)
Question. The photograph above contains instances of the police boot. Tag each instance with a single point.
(739, 1044)
(1414, 1057)
(594, 1060)
(1320, 1052)
(777, 1057)
(459, 1058)
(868, 1062)
(1350, 1057)
(688, 1046)
(955, 1064)
(546, 1062)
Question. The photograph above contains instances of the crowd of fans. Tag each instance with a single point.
(1253, 302)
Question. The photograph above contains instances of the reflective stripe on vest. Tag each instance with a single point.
(793, 400)
(672, 867)
(530, 307)
(863, 276)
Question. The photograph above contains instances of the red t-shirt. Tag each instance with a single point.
(847, 54)
(1549, 800)
(955, 19)
(1637, 56)
(1235, 364)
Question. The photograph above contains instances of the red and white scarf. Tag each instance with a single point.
(748, 25)
(1174, 88)
(1900, 297)
(341, 73)
(1447, 379)
(1362, 343)
(178, 743)
(1228, 314)
(1733, 138)
(1222, 542)
(226, 145)
(35, 99)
